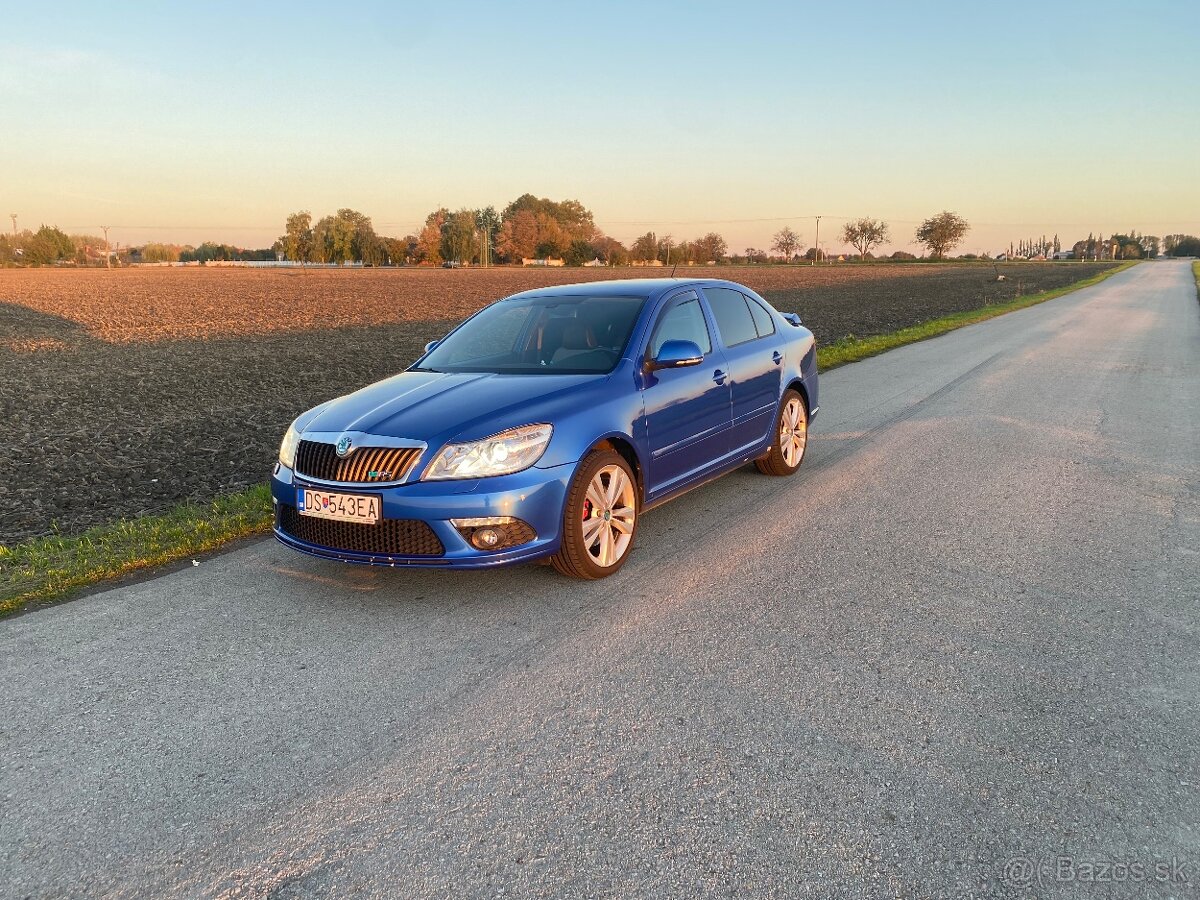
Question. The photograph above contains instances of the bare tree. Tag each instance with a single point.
(942, 233)
(785, 241)
(864, 235)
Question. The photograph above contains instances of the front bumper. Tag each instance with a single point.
(536, 496)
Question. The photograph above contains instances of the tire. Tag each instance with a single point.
(601, 516)
(790, 440)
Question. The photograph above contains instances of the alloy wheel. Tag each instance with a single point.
(609, 511)
(793, 432)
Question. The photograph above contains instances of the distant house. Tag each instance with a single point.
(646, 262)
(542, 262)
(595, 263)
(1064, 254)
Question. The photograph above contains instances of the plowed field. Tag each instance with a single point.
(127, 391)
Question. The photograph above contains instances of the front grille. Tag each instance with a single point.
(387, 537)
(363, 466)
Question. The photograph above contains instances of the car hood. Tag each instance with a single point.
(436, 407)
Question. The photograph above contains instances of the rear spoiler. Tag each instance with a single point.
(793, 319)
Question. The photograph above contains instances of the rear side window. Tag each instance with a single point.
(682, 322)
(734, 321)
(763, 320)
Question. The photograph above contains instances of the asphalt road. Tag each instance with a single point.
(959, 648)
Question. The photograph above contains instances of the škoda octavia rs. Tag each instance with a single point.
(544, 425)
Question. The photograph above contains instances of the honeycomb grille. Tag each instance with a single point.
(364, 466)
(515, 534)
(387, 537)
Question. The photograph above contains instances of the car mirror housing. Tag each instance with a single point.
(677, 355)
(431, 345)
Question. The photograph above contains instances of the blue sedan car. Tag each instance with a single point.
(544, 425)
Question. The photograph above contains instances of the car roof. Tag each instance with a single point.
(646, 288)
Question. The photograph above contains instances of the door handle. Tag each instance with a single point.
(777, 357)
(719, 376)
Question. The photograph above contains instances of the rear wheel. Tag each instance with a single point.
(791, 437)
(600, 518)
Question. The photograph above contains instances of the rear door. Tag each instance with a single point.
(754, 353)
(688, 411)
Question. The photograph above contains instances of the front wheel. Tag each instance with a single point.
(600, 518)
(791, 437)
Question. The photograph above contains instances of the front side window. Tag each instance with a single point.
(734, 321)
(682, 322)
(540, 335)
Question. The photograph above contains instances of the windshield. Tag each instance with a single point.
(540, 335)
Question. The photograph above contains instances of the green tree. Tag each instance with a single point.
(644, 248)
(864, 235)
(942, 233)
(155, 253)
(297, 239)
(1185, 245)
(398, 251)
(488, 222)
(458, 237)
(336, 237)
(579, 252)
(49, 245)
(365, 246)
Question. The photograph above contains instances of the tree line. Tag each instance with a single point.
(50, 245)
(539, 228)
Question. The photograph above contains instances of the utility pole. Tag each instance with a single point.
(817, 242)
(13, 216)
(107, 255)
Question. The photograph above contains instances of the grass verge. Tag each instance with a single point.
(1196, 273)
(852, 349)
(51, 568)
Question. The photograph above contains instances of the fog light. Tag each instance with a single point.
(487, 538)
(494, 532)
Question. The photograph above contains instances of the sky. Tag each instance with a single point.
(192, 122)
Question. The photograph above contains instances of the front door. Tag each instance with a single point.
(688, 411)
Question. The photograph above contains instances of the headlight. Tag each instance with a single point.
(501, 454)
(287, 450)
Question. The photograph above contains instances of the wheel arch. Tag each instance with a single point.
(623, 447)
(797, 385)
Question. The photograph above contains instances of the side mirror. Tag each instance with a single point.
(677, 355)
(431, 345)
(792, 319)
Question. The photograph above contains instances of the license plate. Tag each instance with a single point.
(361, 508)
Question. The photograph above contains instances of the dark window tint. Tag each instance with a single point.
(540, 335)
(763, 320)
(732, 314)
(682, 322)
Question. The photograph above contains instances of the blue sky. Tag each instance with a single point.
(210, 121)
